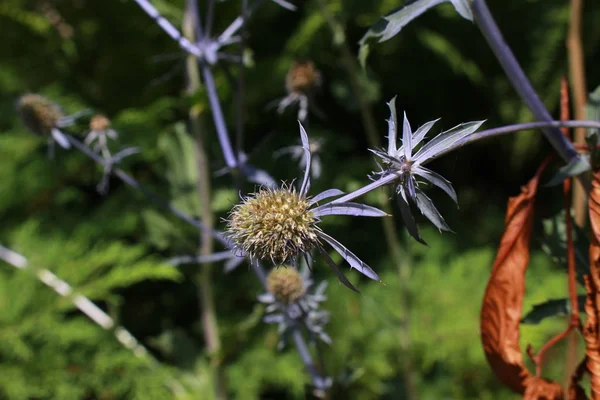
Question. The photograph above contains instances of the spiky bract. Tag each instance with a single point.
(286, 284)
(39, 114)
(273, 224)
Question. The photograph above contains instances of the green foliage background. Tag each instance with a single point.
(111, 57)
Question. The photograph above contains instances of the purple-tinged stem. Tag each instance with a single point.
(204, 276)
(128, 180)
(518, 79)
(239, 137)
(386, 180)
(169, 28)
(470, 139)
(518, 127)
(237, 24)
(319, 382)
(218, 118)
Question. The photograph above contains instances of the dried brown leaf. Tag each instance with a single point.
(594, 206)
(503, 301)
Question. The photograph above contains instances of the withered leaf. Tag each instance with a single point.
(503, 301)
(594, 206)
(592, 284)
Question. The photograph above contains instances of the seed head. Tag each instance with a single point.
(286, 284)
(273, 223)
(99, 123)
(302, 76)
(38, 113)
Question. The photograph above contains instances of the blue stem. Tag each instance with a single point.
(218, 118)
(518, 79)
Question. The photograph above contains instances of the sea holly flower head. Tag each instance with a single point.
(281, 224)
(100, 131)
(286, 284)
(292, 299)
(407, 163)
(43, 117)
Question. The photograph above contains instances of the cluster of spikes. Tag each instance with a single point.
(406, 164)
(282, 224)
(291, 299)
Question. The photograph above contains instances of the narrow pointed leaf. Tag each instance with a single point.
(222, 255)
(437, 180)
(463, 8)
(552, 308)
(445, 140)
(402, 17)
(428, 209)
(410, 187)
(350, 257)
(325, 195)
(407, 138)
(233, 263)
(125, 153)
(420, 133)
(355, 209)
(407, 217)
(576, 166)
(285, 4)
(258, 176)
(306, 147)
(61, 139)
(392, 128)
(342, 278)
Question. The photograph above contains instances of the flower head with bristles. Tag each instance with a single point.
(281, 224)
(45, 118)
(301, 82)
(291, 299)
(273, 224)
(407, 164)
(100, 131)
(286, 284)
(38, 113)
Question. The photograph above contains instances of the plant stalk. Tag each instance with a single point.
(402, 261)
(579, 90)
(208, 313)
(486, 23)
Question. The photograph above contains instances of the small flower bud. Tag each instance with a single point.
(38, 113)
(286, 284)
(99, 123)
(302, 77)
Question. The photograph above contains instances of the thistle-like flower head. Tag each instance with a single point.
(303, 76)
(38, 113)
(286, 284)
(407, 163)
(43, 117)
(291, 299)
(282, 224)
(274, 223)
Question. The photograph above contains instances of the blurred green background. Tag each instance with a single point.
(422, 327)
